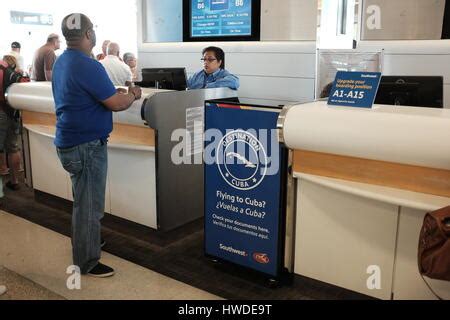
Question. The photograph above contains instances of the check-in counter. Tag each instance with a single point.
(365, 180)
(144, 185)
(131, 183)
(177, 118)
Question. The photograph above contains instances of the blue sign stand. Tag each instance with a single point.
(245, 188)
(355, 89)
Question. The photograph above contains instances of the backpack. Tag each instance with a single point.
(434, 245)
(7, 77)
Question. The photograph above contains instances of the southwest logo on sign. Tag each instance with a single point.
(242, 160)
(261, 258)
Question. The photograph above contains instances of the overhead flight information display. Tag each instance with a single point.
(221, 18)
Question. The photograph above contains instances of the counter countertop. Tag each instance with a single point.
(38, 97)
(117, 141)
(404, 135)
(403, 198)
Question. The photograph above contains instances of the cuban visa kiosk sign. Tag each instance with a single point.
(355, 89)
(244, 193)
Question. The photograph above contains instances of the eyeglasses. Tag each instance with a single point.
(208, 59)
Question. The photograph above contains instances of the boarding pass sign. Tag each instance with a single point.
(354, 89)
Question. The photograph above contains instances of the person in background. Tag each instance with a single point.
(10, 122)
(3, 70)
(103, 55)
(213, 74)
(15, 51)
(11, 61)
(131, 61)
(45, 58)
(119, 73)
(85, 98)
(14, 75)
(4, 170)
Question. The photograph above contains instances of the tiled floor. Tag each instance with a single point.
(177, 254)
(43, 257)
(20, 288)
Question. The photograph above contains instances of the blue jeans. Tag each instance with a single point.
(88, 165)
(1, 188)
(9, 133)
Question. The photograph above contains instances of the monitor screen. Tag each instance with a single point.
(164, 78)
(415, 91)
(221, 20)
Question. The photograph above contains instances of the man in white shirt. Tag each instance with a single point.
(15, 52)
(119, 73)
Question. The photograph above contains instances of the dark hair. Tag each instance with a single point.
(326, 90)
(218, 53)
(15, 45)
(75, 25)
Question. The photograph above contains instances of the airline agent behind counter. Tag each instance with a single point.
(213, 74)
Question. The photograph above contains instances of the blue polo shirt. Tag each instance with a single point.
(79, 84)
(219, 79)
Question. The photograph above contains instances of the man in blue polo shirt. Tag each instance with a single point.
(85, 98)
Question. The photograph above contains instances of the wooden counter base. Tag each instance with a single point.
(394, 175)
(122, 133)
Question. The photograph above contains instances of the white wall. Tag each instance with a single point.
(404, 19)
(272, 70)
(285, 71)
(282, 71)
(288, 20)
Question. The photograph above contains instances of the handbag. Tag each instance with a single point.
(434, 245)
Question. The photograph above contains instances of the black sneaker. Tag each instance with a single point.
(13, 186)
(102, 243)
(101, 271)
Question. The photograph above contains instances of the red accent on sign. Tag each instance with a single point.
(228, 106)
(261, 258)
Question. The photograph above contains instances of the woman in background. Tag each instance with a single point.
(131, 61)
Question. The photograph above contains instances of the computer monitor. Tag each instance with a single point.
(415, 91)
(164, 78)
